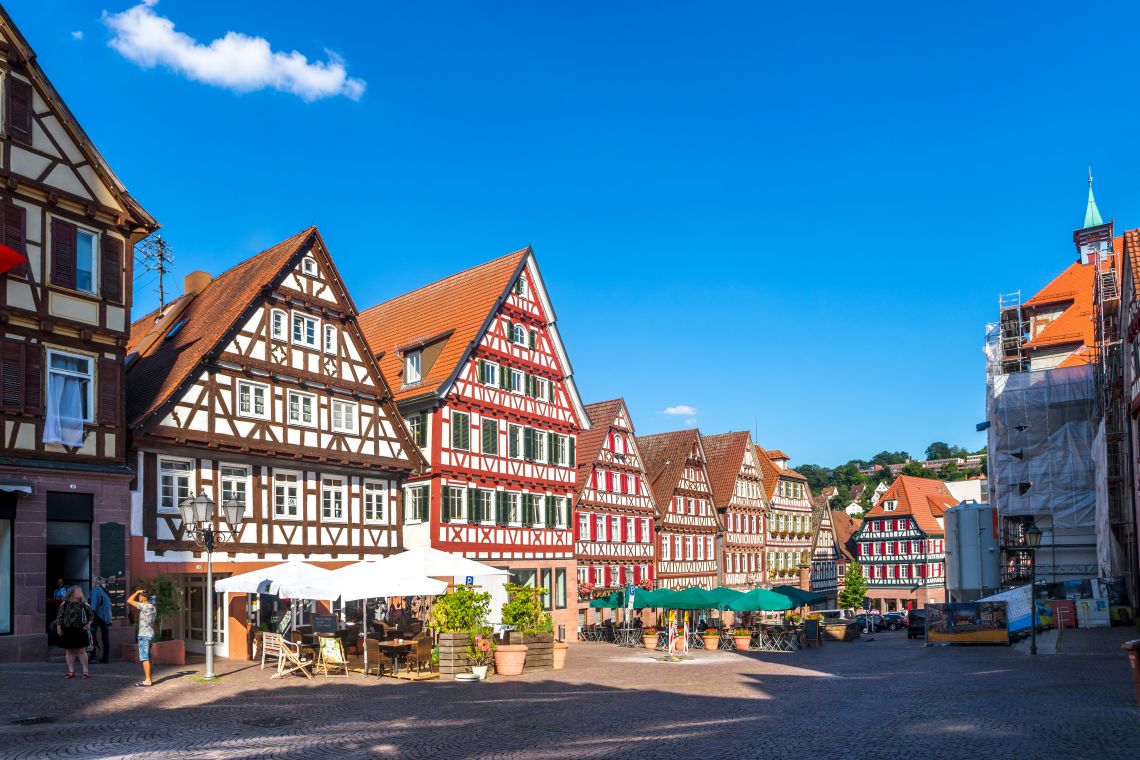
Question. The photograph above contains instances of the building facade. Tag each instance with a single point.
(738, 495)
(69, 227)
(790, 531)
(826, 555)
(902, 545)
(258, 386)
(687, 522)
(615, 515)
(483, 380)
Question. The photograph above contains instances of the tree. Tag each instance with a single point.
(916, 470)
(950, 471)
(938, 450)
(817, 477)
(890, 457)
(855, 587)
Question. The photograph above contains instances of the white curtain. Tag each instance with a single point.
(64, 423)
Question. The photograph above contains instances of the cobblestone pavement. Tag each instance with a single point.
(888, 697)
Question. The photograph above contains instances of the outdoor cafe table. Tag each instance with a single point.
(627, 636)
(777, 639)
(394, 650)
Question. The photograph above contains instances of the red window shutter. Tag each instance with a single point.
(609, 481)
(12, 354)
(33, 378)
(63, 253)
(637, 574)
(15, 236)
(111, 268)
(19, 109)
(110, 376)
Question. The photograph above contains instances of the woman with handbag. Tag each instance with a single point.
(72, 626)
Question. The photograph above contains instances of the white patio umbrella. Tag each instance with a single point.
(424, 560)
(273, 580)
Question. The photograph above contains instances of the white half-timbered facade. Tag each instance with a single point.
(258, 386)
(484, 382)
(615, 514)
(738, 493)
(826, 555)
(687, 522)
(790, 531)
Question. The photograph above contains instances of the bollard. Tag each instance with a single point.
(1133, 649)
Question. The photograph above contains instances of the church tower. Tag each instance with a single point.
(1094, 238)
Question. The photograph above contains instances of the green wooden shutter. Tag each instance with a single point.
(482, 372)
(510, 331)
(472, 504)
(504, 378)
(425, 503)
(551, 505)
(528, 444)
(445, 504)
(550, 391)
(467, 432)
(572, 464)
(528, 385)
(533, 338)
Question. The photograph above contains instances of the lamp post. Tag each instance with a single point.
(1032, 541)
(198, 522)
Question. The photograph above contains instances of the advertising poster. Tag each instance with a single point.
(967, 623)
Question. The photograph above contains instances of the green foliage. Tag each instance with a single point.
(463, 609)
(165, 593)
(890, 457)
(938, 450)
(481, 649)
(855, 588)
(817, 477)
(917, 470)
(523, 610)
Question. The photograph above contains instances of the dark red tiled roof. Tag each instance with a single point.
(923, 498)
(602, 415)
(663, 455)
(725, 454)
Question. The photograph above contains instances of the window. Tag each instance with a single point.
(332, 499)
(665, 544)
(518, 381)
(375, 502)
(889, 505)
(692, 506)
(615, 528)
(514, 441)
(416, 505)
(510, 501)
(520, 335)
(520, 286)
(277, 324)
(461, 431)
(174, 483)
(709, 551)
(562, 512)
(286, 494)
(688, 547)
(583, 526)
(540, 446)
(454, 504)
(700, 549)
(489, 373)
(489, 432)
(646, 536)
(417, 426)
(309, 266)
(630, 529)
(330, 339)
(252, 400)
(344, 416)
(235, 485)
(541, 388)
(85, 261)
(559, 449)
(70, 402)
(485, 507)
(301, 408)
(560, 588)
(412, 367)
(677, 555)
(304, 330)
(600, 528)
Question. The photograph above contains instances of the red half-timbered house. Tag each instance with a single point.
(67, 229)
(687, 523)
(259, 386)
(738, 494)
(790, 530)
(485, 385)
(615, 515)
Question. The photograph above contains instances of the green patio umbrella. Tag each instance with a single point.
(694, 598)
(724, 595)
(614, 600)
(799, 596)
(760, 599)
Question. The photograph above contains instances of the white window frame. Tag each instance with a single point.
(252, 386)
(462, 517)
(519, 386)
(309, 266)
(601, 529)
(615, 528)
(541, 392)
(413, 367)
(584, 526)
(354, 410)
(278, 331)
(80, 231)
(294, 480)
(506, 500)
(666, 548)
(299, 421)
(516, 331)
(689, 553)
(329, 335)
(230, 475)
(408, 505)
(89, 376)
(491, 374)
(305, 320)
(374, 500)
(189, 474)
(646, 531)
(334, 487)
(479, 494)
(700, 549)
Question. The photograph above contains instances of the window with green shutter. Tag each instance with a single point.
(551, 511)
(513, 434)
(461, 431)
(572, 463)
(533, 339)
(445, 504)
(417, 426)
(528, 509)
(481, 372)
(528, 444)
(490, 434)
(504, 378)
(499, 507)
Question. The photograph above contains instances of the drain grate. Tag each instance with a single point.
(275, 722)
(33, 721)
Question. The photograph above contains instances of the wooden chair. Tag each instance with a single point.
(330, 656)
(291, 661)
(420, 654)
(272, 645)
(379, 659)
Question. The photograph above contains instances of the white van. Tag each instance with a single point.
(847, 614)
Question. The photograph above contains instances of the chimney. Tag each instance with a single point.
(195, 282)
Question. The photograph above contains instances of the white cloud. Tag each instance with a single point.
(77, 35)
(691, 422)
(236, 61)
(680, 409)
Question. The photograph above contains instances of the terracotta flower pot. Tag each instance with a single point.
(560, 650)
(742, 642)
(711, 642)
(510, 659)
(649, 640)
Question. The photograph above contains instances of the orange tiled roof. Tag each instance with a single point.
(602, 415)
(845, 527)
(725, 455)
(663, 455)
(1074, 283)
(923, 498)
(168, 362)
(777, 454)
(1074, 326)
(462, 304)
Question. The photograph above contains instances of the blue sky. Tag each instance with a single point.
(796, 219)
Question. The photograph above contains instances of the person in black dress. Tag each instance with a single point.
(71, 626)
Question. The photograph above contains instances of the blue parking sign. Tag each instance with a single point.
(469, 580)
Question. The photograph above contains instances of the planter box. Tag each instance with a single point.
(453, 655)
(161, 652)
(841, 631)
(539, 652)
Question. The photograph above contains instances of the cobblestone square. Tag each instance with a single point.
(872, 698)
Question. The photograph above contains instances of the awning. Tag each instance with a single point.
(15, 486)
(799, 596)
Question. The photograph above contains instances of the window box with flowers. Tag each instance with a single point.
(586, 590)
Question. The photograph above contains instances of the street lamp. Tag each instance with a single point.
(198, 522)
(1032, 541)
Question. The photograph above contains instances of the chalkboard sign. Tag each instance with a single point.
(286, 620)
(116, 588)
(324, 623)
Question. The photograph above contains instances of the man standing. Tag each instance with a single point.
(141, 602)
(101, 606)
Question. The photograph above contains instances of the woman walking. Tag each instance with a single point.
(71, 626)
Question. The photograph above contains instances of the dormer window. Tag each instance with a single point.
(520, 286)
(519, 335)
(889, 505)
(309, 266)
(412, 367)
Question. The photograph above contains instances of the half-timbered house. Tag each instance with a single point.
(258, 386)
(825, 554)
(846, 527)
(482, 377)
(687, 522)
(615, 515)
(902, 544)
(790, 530)
(67, 227)
(738, 494)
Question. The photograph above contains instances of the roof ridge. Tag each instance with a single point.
(449, 277)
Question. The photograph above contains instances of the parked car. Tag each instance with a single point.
(878, 620)
(895, 621)
(916, 624)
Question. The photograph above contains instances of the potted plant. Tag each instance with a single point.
(712, 639)
(649, 637)
(585, 590)
(741, 638)
(481, 653)
(523, 613)
(456, 617)
(645, 584)
(165, 593)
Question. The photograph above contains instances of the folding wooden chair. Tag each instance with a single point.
(330, 656)
(291, 661)
(271, 646)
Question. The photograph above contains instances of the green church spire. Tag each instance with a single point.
(1092, 213)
